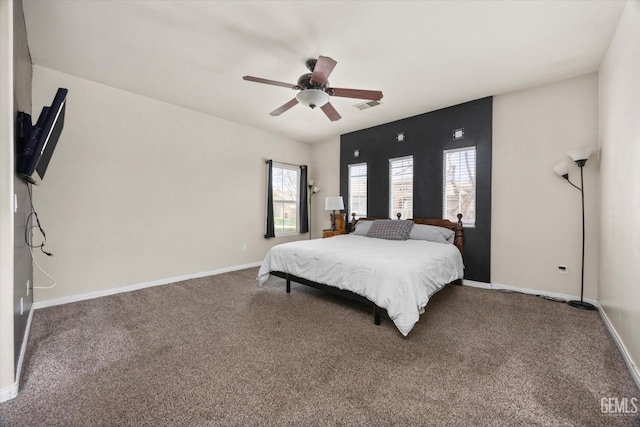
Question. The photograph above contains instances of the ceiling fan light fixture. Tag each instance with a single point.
(312, 98)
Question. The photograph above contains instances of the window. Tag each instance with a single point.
(401, 187)
(285, 198)
(358, 189)
(459, 182)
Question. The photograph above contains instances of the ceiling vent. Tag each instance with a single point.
(367, 104)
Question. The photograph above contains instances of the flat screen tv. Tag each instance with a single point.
(42, 140)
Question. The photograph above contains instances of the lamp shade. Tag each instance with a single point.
(334, 203)
(312, 98)
(580, 154)
(561, 169)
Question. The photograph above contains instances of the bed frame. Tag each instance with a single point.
(458, 242)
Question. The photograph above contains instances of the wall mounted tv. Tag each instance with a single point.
(42, 140)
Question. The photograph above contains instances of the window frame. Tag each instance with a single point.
(359, 214)
(465, 220)
(296, 169)
(393, 212)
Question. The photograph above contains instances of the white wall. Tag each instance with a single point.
(7, 375)
(139, 190)
(620, 181)
(536, 220)
(325, 164)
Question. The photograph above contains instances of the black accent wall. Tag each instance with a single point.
(426, 136)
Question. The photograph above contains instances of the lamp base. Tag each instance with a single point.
(582, 305)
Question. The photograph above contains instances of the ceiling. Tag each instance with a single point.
(421, 55)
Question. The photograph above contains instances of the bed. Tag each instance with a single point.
(390, 272)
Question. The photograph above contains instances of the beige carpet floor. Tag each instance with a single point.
(223, 351)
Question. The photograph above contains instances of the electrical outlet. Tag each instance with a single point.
(563, 269)
(244, 248)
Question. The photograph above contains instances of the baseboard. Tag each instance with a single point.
(23, 348)
(633, 369)
(129, 288)
(529, 291)
(9, 392)
(475, 284)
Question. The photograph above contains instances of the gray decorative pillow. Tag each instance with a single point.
(362, 228)
(432, 233)
(390, 229)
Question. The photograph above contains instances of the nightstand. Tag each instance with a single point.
(329, 233)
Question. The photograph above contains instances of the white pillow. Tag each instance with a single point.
(362, 228)
(432, 233)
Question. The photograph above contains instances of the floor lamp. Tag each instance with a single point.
(580, 157)
(313, 189)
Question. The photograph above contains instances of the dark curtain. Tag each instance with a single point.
(270, 230)
(304, 204)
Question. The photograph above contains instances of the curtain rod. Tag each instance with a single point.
(285, 163)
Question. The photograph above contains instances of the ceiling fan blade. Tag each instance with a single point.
(284, 108)
(330, 112)
(324, 66)
(268, 82)
(373, 95)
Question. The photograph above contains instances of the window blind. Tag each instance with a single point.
(358, 189)
(401, 187)
(459, 185)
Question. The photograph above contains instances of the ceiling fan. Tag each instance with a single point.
(315, 90)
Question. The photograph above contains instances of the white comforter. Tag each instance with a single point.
(398, 276)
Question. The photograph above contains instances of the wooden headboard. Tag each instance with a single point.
(438, 222)
(355, 220)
